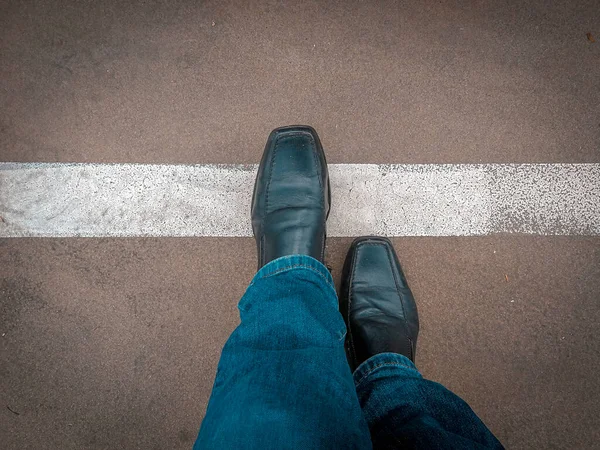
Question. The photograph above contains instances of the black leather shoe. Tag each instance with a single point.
(291, 196)
(376, 303)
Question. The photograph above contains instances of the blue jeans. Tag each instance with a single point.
(283, 380)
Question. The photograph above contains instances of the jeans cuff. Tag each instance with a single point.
(385, 361)
(294, 262)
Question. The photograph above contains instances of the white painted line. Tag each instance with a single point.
(61, 200)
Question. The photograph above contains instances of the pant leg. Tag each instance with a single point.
(283, 380)
(405, 410)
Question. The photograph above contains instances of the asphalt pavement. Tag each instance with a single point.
(113, 342)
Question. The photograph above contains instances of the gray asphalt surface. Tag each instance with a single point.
(113, 343)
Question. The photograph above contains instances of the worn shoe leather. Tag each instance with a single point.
(291, 196)
(376, 303)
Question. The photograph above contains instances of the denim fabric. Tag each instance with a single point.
(404, 410)
(283, 380)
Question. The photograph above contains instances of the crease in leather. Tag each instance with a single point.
(399, 289)
(404, 322)
(276, 145)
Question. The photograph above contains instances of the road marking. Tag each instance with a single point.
(96, 200)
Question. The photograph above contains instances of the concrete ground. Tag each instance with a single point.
(113, 343)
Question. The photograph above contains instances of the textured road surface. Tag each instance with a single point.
(113, 343)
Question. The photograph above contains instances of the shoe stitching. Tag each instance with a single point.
(324, 238)
(264, 218)
(350, 335)
(392, 266)
(352, 274)
(313, 147)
